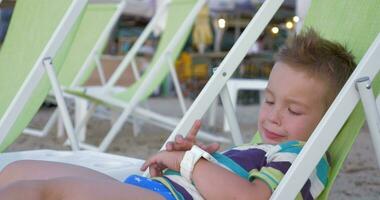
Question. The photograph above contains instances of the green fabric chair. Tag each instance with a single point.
(95, 19)
(94, 29)
(178, 11)
(354, 24)
(30, 30)
(115, 166)
(335, 20)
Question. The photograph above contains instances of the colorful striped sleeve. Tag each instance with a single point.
(278, 161)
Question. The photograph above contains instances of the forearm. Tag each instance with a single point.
(211, 180)
(215, 182)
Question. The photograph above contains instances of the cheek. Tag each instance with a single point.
(263, 113)
(300, 126)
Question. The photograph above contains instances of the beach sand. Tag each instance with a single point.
(359, 178)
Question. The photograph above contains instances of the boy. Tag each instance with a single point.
(307, 75)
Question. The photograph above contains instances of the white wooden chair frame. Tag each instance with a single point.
(132, 106)
(42, 66)
(93, 56)
(318, 143)
(358, 87)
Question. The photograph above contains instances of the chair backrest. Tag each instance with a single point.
(354, 24)
(95, 19)
(31, 28)
(177, 12)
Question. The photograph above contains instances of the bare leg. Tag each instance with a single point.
(43, 170)
(74, 188)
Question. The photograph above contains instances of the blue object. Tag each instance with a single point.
(150, 184)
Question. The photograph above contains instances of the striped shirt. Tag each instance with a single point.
(266, 162)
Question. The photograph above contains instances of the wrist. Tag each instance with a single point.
(190, 159)
(179, 157)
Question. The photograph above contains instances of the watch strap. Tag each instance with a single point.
(189, 160)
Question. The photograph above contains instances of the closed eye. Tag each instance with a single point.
(269, 102)
(294, 112)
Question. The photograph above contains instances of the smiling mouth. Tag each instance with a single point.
(272, 135)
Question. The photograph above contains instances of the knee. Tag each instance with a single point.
(16, 167)
(32, 189)
(14, 171)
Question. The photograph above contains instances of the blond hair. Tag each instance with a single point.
(320, 58)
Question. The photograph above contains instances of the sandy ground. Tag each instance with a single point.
(359, 178)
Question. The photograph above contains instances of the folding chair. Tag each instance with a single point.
(115, 166)
(339, 127)
(118, 166)
(235, 85)
(84, 55)
(331, 19)
(85, 50)
(170, 45)
(342, 106)
(36, 33)
(356, 25)
(25, 86)
(82, 114)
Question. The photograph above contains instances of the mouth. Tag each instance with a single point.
(272, 135)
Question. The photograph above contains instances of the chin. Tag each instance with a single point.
(272, 142)
(268, 141)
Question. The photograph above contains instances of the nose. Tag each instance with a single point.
(274, 116)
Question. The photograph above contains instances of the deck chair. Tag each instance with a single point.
(115, 166)
(81, 104)
(94, 29)
(345, 116)
(36, 35)
(48, 23)
(119, 166)
(85, 50)
(258, 23)
(331, 19)
(181, 15)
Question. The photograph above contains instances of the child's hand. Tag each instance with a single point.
(163, 160)
(184, 144)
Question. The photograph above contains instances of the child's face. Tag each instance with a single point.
(294, 104)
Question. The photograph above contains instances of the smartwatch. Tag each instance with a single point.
(190, 158)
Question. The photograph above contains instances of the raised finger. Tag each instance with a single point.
(194, 130)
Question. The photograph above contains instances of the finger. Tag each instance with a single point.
(194, 130)
(201, 145)
(211, 148)
(157, 169)
(179, 139)
(146, 164)
(181, 144)
(153, 170)
(160, 169)
(182, 147)
(169, 146)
